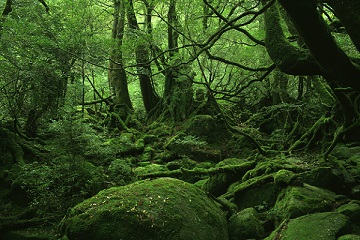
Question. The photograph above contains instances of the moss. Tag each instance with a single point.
(160, 209)
(315, 226)
(151, 168)
(193, 147)
(120, 172)
(207, 128)
(297, 201)
(220, 182)
(349, 237)
(245, 225)
(284, 177)
(351, 209)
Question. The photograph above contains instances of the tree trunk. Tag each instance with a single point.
(178, 92)
(348, 13)
(149, 96)
(117, 75)
(336, 65)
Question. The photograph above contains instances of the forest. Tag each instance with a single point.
(179, 119)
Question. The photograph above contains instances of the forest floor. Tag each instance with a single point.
(261, 195)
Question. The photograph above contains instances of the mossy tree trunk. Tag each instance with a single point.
(322, 57)
(149, 96)
(178, 93)
(117, 75)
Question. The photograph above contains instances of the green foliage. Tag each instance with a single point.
(54, 187)
(190, 140)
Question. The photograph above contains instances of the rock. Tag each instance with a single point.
(160, 209)
(342, 151)
(194, 148)
(326, 226)
(297, 201)
(245, 225)
(148, 154)
(351, 209)
(219, 183)
(151, 168)
(284, 177)
(29, 234)
(349, 237)
(120, 172)
(125, 145)
(262, 197)
(324, 177)
(206, 127)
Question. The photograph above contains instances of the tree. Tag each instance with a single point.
(322, 57)
(142, 54)
(117, 75)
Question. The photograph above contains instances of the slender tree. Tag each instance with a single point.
(142, 54)
(117, 75)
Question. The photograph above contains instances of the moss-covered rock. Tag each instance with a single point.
(125, 144)
(326, 225)
(181, 163)
(259, 192)
(284, 177)
(218, 183)
(194, 147)
(159, 209)
(246, 225)
(297, 201)
(120, 172)
(342, 151)
(208, 128)
(324, 177)
(351, 209)
(349, 237)
(151, 168)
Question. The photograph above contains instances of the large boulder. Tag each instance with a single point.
(160, 209)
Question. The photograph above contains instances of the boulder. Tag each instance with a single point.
(160, 209)
(297, 201)
(349, 237)
(246, 225)
(326, 225)
(351, 209)
(193, 147)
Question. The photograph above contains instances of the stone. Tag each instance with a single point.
(351, 209)
(297, 201)
(245, 225)
(160, 209)
(283, 177)
(349, 237)
(326, 225)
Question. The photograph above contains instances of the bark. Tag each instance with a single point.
(336, 65)
(117, 75)
(7, 10)
(178, 92)
(149, 96)
(288, 58)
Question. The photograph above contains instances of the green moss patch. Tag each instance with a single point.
(326, 225)
(297, 201)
